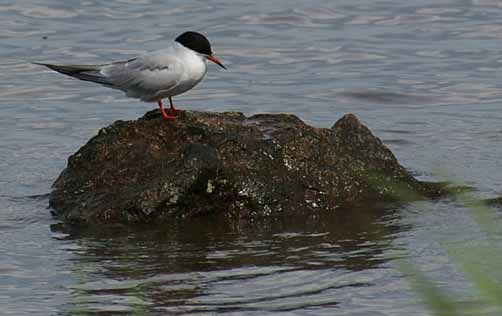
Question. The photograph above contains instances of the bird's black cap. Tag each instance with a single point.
(195, 41)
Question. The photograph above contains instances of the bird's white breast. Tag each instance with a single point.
(193, 70)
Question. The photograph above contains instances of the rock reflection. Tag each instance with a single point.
(210, 265)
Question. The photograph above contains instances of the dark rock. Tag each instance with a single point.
(228, 164)
(494, 202)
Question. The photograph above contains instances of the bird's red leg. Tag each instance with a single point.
(165, 116)
(174, 111)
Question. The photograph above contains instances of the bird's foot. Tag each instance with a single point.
(175, 112)
(167, 116)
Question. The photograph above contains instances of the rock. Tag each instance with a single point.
(493, 202)
(228, 164)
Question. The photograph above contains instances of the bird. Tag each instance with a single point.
(152, 76)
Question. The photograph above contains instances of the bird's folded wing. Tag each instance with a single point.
(151, 72)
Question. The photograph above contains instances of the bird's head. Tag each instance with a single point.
(200, 44)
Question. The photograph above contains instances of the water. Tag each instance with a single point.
(423, 75)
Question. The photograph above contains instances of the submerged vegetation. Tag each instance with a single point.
(480, 265)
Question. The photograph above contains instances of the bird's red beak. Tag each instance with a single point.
(216, 61)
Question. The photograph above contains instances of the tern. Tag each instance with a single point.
(153, 76)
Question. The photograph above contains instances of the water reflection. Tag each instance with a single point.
(211, 265)
(385, 97)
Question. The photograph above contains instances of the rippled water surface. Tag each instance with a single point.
(423, 75)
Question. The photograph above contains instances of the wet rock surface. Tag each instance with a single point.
(228, 164)
(494, 202)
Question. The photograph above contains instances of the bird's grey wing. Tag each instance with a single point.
(82, 72)
(143, 77)
(146, 74)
